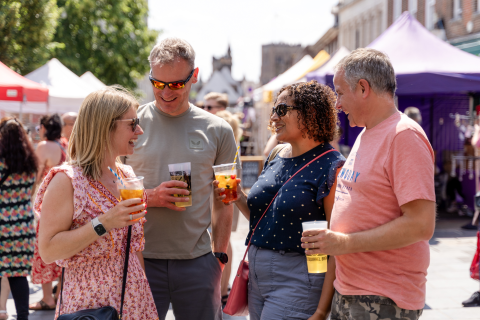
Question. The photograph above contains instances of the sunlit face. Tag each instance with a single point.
(346, 99)
(173, 102)
(286, 127)
(212, 106)
(68, 127)
(123, 139)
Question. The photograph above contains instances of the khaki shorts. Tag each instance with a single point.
(369, 308)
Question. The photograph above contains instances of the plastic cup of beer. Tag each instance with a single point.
(131, 188)
(226, 175)
(316, 263)
(182, 172)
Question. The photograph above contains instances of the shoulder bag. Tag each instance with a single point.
(237, 303)
(103, 313)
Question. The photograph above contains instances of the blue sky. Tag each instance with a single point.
(210, 25)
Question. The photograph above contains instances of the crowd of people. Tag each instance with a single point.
(379, 202)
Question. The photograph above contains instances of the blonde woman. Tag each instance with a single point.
(78, 196)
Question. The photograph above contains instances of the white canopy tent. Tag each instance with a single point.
(93, 81)
(290, 76)
(66, 90)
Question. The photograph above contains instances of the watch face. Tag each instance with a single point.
(222, 257)
(100, 230)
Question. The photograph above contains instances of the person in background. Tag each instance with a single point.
(215, 102)
(50, 153)
(200, 104)
(474, 300)
(280, 286)
(18, 166)
(414, 114)
(84, 225)
(384, 211)
(68, 119)
(271, 143)
(179, 262)
(4, 292)
(234, 122)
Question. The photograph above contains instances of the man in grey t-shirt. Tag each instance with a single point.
(179, 263)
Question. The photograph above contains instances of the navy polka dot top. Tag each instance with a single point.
(300, 200)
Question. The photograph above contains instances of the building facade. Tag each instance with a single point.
(278, 58)
(361, 21)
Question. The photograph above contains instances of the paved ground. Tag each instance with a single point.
(448, 282)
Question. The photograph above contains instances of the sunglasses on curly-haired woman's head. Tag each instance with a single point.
(282, 108)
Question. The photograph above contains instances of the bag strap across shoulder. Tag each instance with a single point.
(253, 232)
(124, 281)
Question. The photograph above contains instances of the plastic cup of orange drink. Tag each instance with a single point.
(130, 189)
(226, 175)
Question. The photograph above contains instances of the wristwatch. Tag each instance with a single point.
(221, 256)
(98, 227)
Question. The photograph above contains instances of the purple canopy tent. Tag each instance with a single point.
(433, 76)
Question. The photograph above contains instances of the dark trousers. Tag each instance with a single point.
(20, 293)
(192, 286)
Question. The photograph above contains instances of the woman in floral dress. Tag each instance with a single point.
(78, 196)
(18, 166)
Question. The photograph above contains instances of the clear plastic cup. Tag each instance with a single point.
(226, 175)
(182, 172)
(130, 189)
(316, 263)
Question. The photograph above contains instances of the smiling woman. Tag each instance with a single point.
(83, 222)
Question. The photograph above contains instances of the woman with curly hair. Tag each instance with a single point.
(280, 287)
(18, 165)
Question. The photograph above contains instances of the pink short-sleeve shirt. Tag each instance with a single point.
(390, 165)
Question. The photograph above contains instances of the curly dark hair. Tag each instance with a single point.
(53, 126)
(317, 113)
(15, 147)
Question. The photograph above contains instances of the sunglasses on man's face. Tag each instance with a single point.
(134, 122)
(282, 109)
(176, 85)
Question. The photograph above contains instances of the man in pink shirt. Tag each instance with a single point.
(384, 212)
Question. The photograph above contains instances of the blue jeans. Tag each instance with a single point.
(280, 286)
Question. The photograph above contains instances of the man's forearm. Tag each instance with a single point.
(221, 226)
(398, 233)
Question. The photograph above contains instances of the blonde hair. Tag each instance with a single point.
(221, 98)
(233, 121)
(96, 121)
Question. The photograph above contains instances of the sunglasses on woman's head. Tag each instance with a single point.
(282, 109)
(176, 85)
(134, 122)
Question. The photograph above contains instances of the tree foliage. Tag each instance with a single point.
(110, 38)
(27, 28)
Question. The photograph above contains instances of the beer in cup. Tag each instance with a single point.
(226, 175)
(182, 172)
(316, 263)
(131, 188)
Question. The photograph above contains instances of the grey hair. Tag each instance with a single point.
(371, 65)
(170, 49)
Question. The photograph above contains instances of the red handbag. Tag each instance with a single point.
(476, 260)
(237, 303)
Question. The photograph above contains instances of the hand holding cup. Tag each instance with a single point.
(123, 215)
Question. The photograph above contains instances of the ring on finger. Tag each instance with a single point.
(131, 217)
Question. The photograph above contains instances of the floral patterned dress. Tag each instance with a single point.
(42, 272)
(17, 234)
(93, 277)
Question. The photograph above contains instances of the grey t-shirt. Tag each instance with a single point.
(195, 136)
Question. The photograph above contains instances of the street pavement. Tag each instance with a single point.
(448, 281)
